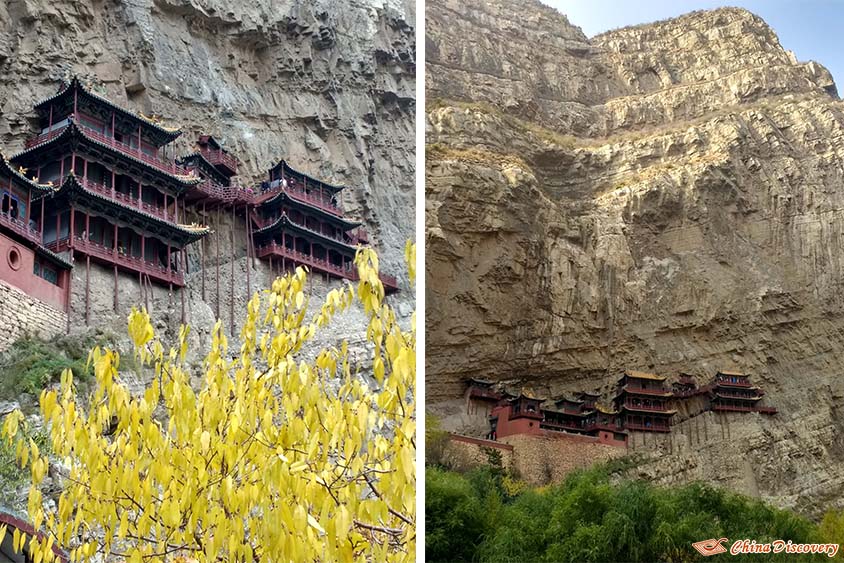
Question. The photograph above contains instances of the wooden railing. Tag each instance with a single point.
(647, 428)
(390, 282)
(21, 227)
(297, 191)
(218, 156)
(641, 407)
(743, 408)
(306, 259)
(726, 381)
(109, 255)
(155, 162)
(126, 199)
(738, 394)
(646, 391)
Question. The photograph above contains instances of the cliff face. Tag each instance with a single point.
(327, 85)
(663, 197)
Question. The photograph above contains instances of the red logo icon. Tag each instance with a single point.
(710, 547)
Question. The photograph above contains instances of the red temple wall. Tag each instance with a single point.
(508, 427)
(16, 268)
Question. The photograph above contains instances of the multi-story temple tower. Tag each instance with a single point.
(118, 200)
(643, 402)
(298, 221)
(732, 391)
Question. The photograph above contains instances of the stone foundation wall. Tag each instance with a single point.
(464, 452)
(21, 314)
(538, 460)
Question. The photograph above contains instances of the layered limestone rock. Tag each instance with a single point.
(328, 85)
(663, 197)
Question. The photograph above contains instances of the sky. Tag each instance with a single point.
(810, 28)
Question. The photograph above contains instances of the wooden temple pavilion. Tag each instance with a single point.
(118, 200)
(643, 402)
(298, 221)
(99, 183)
(25, 262)
(732, 391)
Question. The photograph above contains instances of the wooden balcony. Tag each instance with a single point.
(659, 392)
(218, 157)
(20, 227)
(264, 222)
(558, 427)
(647, 428)
(738, 383)
(720, 407)
(296, 191)
(126, 262)
(125, 199)
(151, 160)
(650, 408)
(307, 260)
(741, 395)
(226, 194)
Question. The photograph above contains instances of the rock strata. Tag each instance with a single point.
(662, 197)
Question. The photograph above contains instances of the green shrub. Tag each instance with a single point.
(590, 517)
(31, 364)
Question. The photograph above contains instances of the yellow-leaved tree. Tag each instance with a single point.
(275, 457)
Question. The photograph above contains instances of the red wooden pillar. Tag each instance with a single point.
(112, 126)
(85, 169)
(50, 122)
(165, 207)
(113, 182)
(71, 233)
(42, 220)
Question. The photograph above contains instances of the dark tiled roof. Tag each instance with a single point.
(6, 166)
(289, 169)
(189, 232)
(73, 130)
(285, 221)
(67, 88)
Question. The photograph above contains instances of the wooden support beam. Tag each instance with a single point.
(231, 285)
(217, 241)
(87, 272)
(248, 265)
(202, 245)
